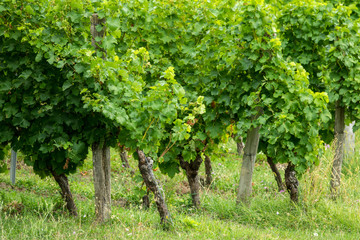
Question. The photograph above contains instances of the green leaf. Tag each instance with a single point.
(200, 135)
(66, 85)
(28, 9)
(306, 98)
(99, 28)
(2, 8)
(38, 57)
(79, 67)
(197, 28)
(5, 86)
(169, 168)
(179, 91)
(246, 64)
(214, 131)
(109, 42)
(113, 23)
(188, 155)
(51, 58)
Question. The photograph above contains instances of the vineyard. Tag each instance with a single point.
(117, 104)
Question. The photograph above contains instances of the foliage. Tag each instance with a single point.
(61, 96)
(259, 81)
(3, 152)
(42, 113)
(236, 64)
(173, 77)
(324, 38)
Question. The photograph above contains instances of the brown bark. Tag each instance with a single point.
(192, 173)
(102, 183)
(146, 170)
(247, 168)
(277, 174)
(146, 201)
(291, 182)
(339, 151)
(208, 171)
(63, 183)
(240, 145)
(125, 161)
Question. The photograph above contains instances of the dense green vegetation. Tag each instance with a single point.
(171, 82)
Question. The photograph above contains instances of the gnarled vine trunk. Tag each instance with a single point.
(240, 146)
(208, 171)
(124, 159)
(339, 149)
(146, 201)
(146, 170)
(277, 174)
(192, 173)
(239, 143)
(291, 182)
(63, 183)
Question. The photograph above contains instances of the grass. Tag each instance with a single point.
(33, 209)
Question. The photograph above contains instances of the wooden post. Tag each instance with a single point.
(13, 166)
(96, 21)
(102, 183)
(101, 152)
(349, 140)
(339, 149)
(247, 168)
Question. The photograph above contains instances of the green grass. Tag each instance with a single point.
(33, 209)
